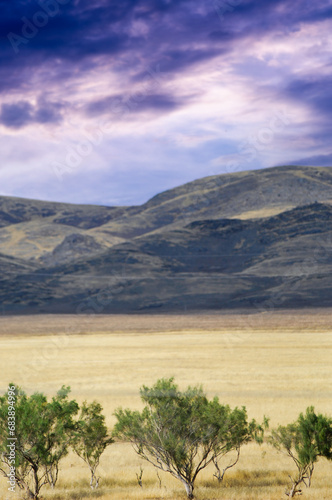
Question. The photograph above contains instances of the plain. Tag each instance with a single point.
(275, 364)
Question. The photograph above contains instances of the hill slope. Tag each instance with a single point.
(267, 263)
(256, 193)
(226, 241)
(30, 229)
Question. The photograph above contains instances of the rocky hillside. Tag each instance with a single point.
(250, 239)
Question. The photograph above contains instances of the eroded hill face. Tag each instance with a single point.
(227, 241)
(30, 229)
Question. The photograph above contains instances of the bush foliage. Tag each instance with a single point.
(304, 441)
(179, 432)
(183, 432)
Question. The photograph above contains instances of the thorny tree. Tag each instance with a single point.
(235, 431)
(43, 432)
(90, 438)
(304, 441)
(179, 432)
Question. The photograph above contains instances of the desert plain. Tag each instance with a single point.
(274, 363)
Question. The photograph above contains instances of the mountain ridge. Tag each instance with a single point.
(183, 249)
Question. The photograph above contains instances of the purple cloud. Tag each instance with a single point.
(22, 113)
(137, 102)
(199, 79)
(315, 91)
(16, 115)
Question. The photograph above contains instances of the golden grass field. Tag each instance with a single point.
(276, 364)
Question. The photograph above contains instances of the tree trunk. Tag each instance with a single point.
(94, 481)
(293, 491)
(189, 489)
(36, 481)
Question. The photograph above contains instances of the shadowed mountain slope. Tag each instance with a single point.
(29, 229)
(279, 261)
(15, 210)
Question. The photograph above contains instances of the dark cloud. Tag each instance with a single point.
(16, 115)
(22, 113)
(48, 112)
(137, 102)
(158, 102)
(85, 28)
(178, 33)
(142, 59)
(315, 91)
(254, 18)
(175, 60)
(320, 12)
(174, 35)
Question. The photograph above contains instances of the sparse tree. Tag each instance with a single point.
(91, 438)
(43, 432)
(180, 432)
(304, 441)
(235, 432)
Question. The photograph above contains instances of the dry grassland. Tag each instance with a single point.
(275, 364)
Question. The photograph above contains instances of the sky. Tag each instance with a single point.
(111, 102)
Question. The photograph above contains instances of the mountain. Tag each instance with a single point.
(244, 240)
(74, 246)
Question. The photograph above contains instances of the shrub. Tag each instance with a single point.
(304, 441)
(183, 432)
(43, 433)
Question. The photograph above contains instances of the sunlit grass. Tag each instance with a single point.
(275, 367)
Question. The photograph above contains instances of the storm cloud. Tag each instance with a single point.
(182, 82)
